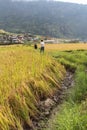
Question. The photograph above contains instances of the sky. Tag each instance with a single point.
(72, 1)
(75, 1)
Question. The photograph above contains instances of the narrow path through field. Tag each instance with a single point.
(67, 83)
(51, 106)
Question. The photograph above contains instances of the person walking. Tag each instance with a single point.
(42, 46)
(35, 46)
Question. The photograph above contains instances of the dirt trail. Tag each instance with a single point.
(67, 83)
(50, 106)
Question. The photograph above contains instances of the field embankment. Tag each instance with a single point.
(26, 78)
(72, 114)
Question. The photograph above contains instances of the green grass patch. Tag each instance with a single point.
(70, 117)
(80, 89)
(72, 114)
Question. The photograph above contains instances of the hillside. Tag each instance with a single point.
(57, 19)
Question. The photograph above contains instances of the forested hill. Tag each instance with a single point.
(56, 19)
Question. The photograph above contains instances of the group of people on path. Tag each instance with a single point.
(41, 46)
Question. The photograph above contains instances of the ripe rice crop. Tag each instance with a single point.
(63, 47)
(26, 77)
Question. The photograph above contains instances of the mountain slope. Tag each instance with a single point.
(56, 19)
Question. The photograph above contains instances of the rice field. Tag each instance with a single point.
(26, 77)
(63, 47)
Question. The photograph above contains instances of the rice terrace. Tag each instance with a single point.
(33, 84)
